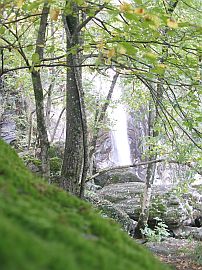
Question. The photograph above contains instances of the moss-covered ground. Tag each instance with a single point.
(42, 227)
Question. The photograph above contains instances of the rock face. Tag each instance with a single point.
(172, 209)
(117, 176)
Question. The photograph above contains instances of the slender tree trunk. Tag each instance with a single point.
(51, 86)
(56, 126)
(99, 118)
(39, 98)
(153, 120)
(75, 162)
(151, 167)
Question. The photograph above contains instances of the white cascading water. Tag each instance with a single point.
(120, 150)
(119, 135)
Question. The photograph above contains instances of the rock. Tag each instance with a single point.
(165, 205)
(8, 127)
(103, 150)
(171, 246)
(187, 232)
(111, 211)
(117, 176)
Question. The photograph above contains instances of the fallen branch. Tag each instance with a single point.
(143, 164)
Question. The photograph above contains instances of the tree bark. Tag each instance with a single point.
(75, 162)
(39, 98)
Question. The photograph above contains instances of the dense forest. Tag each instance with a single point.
(102, 102)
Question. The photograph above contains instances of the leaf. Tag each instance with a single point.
(125, 7)
(130, 49)
(199, 119)
(54, 13)
(35, 58)
(139, 11)
(151, 55)
(100, 45)
(122, 50)
(79, 2)
(111, 53)
(2, 30)
(20, 3)
(172, 23)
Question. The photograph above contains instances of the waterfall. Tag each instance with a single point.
(120, 145)
(115, 149)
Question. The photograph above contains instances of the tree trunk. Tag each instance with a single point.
(153, 120)
(39, 98)
(99, 118)
(75, 162)
(151, 167)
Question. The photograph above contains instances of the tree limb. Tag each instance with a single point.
(143, 164)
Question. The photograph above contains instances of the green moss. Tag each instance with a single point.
(55, 164)
(33, 160)
(42, 227)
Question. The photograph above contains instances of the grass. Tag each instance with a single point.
(43, 227)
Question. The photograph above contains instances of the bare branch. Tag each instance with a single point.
(144, 163)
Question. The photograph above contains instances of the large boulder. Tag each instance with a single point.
(108, 209)
(117, 176)
(165, 203)
(43, 227)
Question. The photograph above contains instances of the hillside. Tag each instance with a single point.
(42, 227)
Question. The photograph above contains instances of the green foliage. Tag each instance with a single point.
(159, 233)
(44, 227)
(33, 160)
(55, 164)
(56, 150)
(157, 207)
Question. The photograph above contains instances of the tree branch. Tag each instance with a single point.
(143, 164)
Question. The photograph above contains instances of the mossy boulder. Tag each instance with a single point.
(165, 203)
(117, 176)
(44, 228)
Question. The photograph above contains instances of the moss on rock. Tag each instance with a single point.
(42, 227)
